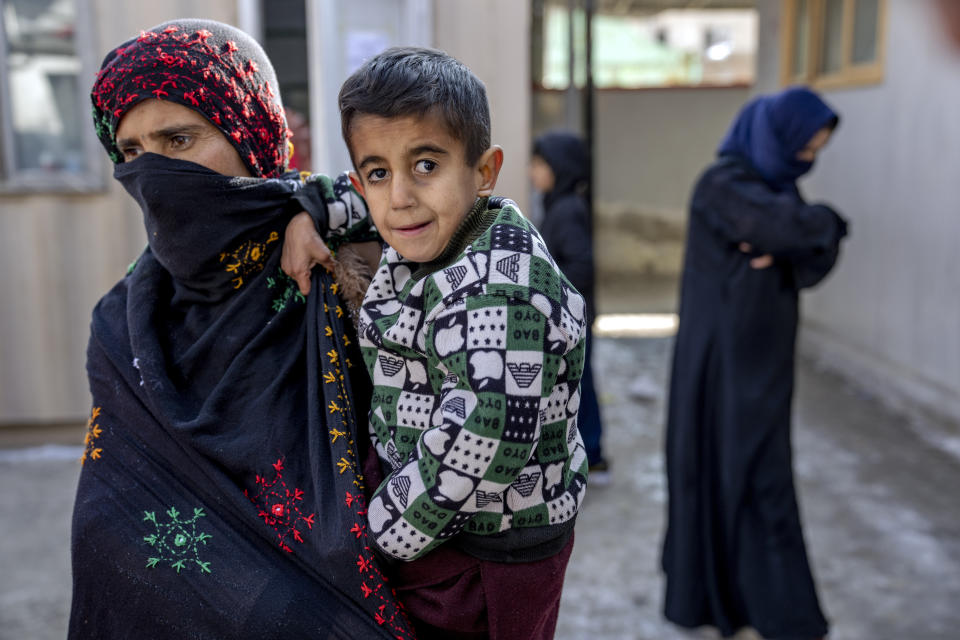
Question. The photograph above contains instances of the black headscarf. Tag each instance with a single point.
(221, 494)
(569, 160)
(566, 226)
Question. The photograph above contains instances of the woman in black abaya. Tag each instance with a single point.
(734, 553)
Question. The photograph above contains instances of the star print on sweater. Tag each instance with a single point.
(476, 361)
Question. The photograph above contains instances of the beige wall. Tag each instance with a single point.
(650, 147)
(492, 37)
(889, 315)
(59, 254)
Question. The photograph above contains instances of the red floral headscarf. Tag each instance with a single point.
(208, 66)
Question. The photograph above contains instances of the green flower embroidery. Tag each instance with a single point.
(177, 542)
(287, 288)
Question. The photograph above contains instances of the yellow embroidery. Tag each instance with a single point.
(342, 404)
(93, 432)
(247, 259)
(334, 288)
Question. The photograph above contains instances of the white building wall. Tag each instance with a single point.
(889, 315)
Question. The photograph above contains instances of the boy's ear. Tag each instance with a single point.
(488, 169)
(355, 179)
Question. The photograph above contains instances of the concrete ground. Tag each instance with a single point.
(878, 492)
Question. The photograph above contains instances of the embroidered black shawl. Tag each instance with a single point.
(221, 493)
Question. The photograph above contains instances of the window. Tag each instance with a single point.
(636, 49)
(46, 136)
(833, 43)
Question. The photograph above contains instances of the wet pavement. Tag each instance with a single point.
(878, 492)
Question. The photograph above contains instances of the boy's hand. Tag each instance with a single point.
(303, 249)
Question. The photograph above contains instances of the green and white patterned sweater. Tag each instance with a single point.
(476, 361)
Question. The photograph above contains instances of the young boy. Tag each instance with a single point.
(474, 341)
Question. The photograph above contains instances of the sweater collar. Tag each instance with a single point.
(475, 223)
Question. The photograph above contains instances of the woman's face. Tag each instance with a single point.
(813, 147)
(175, 131)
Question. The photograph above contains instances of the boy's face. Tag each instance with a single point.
(416, 181)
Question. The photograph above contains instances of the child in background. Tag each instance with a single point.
(560, 171)
(474, 341)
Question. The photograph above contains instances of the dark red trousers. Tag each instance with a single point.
(450, 595)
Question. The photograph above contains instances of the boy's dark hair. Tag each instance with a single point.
(404, 81)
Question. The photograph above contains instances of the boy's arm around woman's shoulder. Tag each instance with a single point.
(333, 214)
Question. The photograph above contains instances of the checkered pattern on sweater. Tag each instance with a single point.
(476, 369)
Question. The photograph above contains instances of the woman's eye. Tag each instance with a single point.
(377, 175)
(426, 166)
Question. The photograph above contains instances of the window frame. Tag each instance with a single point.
(15, 180)
(849, 74)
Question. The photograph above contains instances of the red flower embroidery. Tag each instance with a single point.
(281, 508)
(390, 613)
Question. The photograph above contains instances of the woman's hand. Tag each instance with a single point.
(760, 262)
(303, 249)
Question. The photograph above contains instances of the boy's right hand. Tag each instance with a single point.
(303, 249)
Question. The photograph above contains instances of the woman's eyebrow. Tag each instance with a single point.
(165, 132)
(172, 130)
